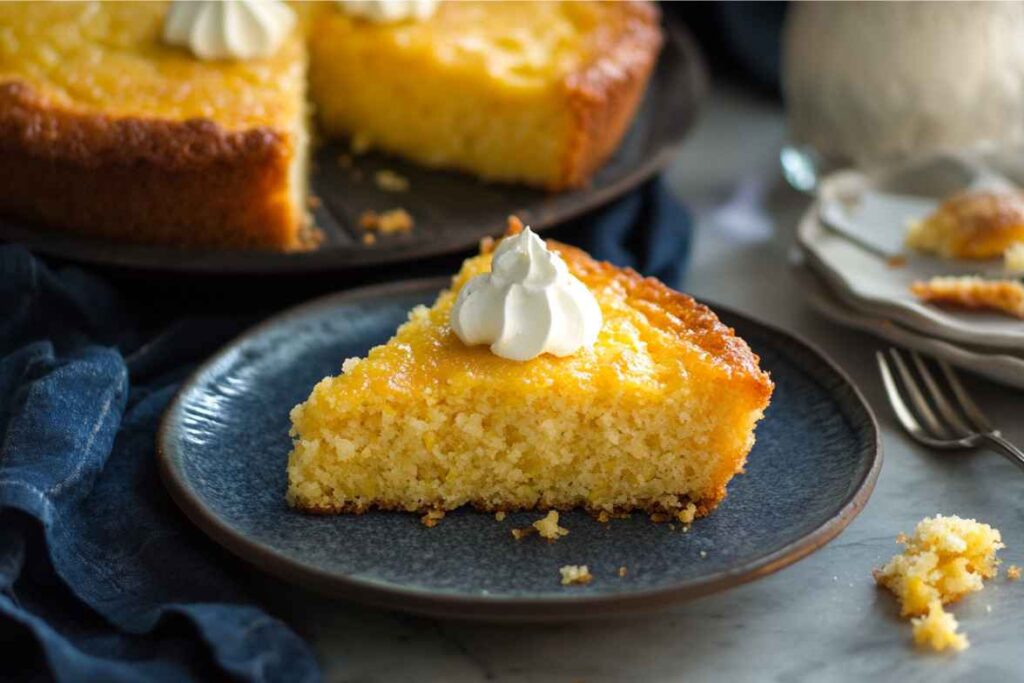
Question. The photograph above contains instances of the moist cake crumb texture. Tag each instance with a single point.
(575, 575)
(548, 527)
(1013, 573)
(946, 558)
(432, 517)
(937, 629)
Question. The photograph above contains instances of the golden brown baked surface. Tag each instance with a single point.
(106, 131)
(972, 225)
(545, 90)
(973, 293)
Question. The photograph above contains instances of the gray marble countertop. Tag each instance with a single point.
(822, 619)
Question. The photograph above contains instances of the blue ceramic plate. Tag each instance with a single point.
(224, 443)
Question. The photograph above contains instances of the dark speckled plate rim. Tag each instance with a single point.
(564, 206)
(483, 607)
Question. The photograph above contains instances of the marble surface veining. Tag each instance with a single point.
(822, 619)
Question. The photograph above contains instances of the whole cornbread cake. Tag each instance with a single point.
(187, 123)
(647, 401)
(108, 131)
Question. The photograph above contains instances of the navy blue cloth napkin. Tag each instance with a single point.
(101, 577)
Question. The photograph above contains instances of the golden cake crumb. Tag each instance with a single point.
(523, 533)
(687, 514)
(500, 515)
(432, 518)
(360, 143)
(946, 558)
(575, 574)
(1013, 572)
(1013, 258)
(389, 181)
(603, 517)
(623, 571)
(395, 220)
(938, 629)
(548, 527)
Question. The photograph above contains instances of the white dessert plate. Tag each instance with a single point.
(1002, 368)
(859, 222)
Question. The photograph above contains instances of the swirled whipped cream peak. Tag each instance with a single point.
(232, 29)
(527, 305)
(388, 11)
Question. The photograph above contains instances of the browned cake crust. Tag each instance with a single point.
(973, 293)
(188, 183)
(604, 94)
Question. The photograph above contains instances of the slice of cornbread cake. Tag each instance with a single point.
(657, 412)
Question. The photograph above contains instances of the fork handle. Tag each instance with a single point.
(1004, 447)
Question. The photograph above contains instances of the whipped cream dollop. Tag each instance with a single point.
(232, 29)
(527, 305)
(388, 11)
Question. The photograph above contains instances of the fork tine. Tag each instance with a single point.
(921, 406)
(967, 404)
(953, 418)
(903, 413)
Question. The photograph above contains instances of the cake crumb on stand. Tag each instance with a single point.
(575, 575)
(389, 181)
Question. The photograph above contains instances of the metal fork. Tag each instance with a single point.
(936, 420)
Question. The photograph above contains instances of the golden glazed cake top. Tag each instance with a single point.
(648, 334)
(108, 59)
(972, 225)
(521, 44)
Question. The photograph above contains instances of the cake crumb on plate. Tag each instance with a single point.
(500, 515)
(548, 527)
(623, 571)
(389, 181)
(431, 518)
(573, 574)
(388, 222)
(1013, 573)
(687, 514)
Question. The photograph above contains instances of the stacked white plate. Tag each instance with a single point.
(858, 273)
